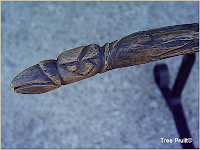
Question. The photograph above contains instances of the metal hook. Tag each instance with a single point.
(173, 97)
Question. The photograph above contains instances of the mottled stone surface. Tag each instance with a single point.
(122, 108)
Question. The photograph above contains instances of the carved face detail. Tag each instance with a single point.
(79, 63)
(82, 68)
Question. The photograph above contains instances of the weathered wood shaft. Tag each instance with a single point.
(86, 61)
(152, 45)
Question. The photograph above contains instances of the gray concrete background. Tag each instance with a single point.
(122, 108)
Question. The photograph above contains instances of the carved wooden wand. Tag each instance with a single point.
(86, 61)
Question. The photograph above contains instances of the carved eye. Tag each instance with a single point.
(72, 68)
(87, 68)
(81, 69)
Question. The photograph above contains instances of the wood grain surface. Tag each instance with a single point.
(86, 61)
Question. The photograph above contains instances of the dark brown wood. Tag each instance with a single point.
(86, 61)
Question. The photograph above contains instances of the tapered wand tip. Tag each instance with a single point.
(33, 80)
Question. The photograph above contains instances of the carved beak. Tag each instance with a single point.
(36, 79)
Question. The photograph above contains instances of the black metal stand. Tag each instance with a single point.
(173, 97)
